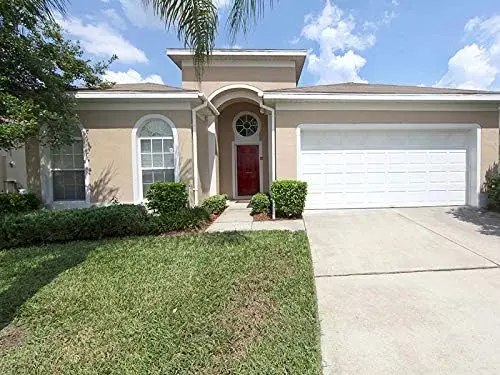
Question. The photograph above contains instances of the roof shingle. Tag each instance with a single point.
(365, 88)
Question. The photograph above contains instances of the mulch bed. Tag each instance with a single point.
(267, 217)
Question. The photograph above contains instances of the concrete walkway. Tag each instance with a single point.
(237, 218)
(407, 291)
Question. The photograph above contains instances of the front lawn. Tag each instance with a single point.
(227, 303)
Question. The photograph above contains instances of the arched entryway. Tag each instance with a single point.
(242, 134)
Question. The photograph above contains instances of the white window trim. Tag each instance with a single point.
(473, 193)
(136, 168)
(47, 182)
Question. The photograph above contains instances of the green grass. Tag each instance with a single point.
(228, 303)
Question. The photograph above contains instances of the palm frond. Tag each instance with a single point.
(244, 12)
(196, 23)
(46, 8)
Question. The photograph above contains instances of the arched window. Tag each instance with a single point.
(68, 170)
(156, 152)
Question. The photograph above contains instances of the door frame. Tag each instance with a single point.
(235, 171)
(474, 151)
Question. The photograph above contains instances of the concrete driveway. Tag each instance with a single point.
(413, 290)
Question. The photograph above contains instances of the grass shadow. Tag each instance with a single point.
(487, 221)
(23, 271)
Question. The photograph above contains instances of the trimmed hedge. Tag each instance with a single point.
(12, 203)
(289, 197)
(165, 198)
(216, 204)
(186, 219)
(76, 224)
(260, 204)
(93, 223)
(492, 188)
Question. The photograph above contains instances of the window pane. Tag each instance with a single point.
(145, 145)
(145, 188)
(146, 160)
(79, 162)
(157, 145)
(163, 175)
(69, 185)
(157, 160)
(78, 147)
(77, 133)
(168, 145)
(169, 160)
(156, 128)
(67, 162)
(147, 177)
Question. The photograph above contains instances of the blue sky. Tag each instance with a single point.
(426, 42)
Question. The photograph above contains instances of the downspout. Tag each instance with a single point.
(273, 150)
(194, 120)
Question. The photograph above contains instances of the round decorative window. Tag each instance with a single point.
(246, 125)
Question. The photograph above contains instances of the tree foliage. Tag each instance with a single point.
(39, 68)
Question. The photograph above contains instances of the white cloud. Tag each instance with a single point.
(140, 16)
(102, 40)
(335, 32)
(115, 19)
(477, 64)
(131, 76)
(145, 18)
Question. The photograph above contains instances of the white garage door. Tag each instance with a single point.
(389, 168)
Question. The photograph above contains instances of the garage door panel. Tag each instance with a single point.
(384, 168)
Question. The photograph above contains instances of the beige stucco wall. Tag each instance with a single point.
(16, 173)
(287, 122)
(225, 143)
(264, 78)
(110, 152)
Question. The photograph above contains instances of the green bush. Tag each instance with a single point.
(11, 203)
(260, 204)
(215, 204)
(492, 188)
(289, 197)
(185, 219)
(167, 197)
(75, 224)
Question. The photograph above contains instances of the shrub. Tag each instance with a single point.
(215, 204)
(289, 197)
(11, 203)
(492, 188)
(260, 204)
(167, 197)
(76, 224)
(185, 219)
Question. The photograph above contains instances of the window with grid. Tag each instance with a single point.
(157, 153)
(68, 170)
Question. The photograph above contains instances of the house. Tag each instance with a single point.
(247, 124)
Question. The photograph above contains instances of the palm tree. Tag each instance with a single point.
(44, 8)
(196, 22)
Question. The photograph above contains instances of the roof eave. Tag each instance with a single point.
(189, 95)
(383, 97)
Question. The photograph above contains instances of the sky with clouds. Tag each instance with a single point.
(445, 43)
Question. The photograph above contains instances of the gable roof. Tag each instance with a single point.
(139, 87)
(366, 88)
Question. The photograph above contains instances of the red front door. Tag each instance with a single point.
(247, 170)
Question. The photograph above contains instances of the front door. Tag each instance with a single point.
(247, 170)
